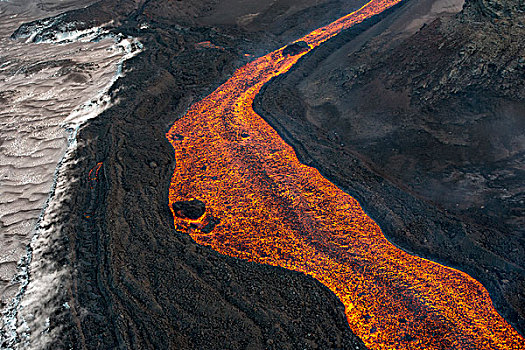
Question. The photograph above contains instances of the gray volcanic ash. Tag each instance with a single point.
(47, 90)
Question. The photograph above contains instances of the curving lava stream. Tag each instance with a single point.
(263, 205)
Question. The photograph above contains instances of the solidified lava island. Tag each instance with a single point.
(263, 205)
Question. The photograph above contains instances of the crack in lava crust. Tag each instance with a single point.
(269, 208)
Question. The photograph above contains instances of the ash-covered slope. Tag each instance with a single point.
(421, 117)
(117, 274)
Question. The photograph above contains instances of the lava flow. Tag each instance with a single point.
(263, 205)
(93, 173)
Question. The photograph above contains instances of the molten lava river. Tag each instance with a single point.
(263, 205)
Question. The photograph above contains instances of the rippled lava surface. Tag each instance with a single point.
(263, 205)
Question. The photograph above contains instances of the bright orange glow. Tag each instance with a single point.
(93, 173)
(275, 210)
(208, 45)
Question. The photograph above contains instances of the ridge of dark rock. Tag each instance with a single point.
(497, 8)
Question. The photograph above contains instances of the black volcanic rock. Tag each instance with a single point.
(295, 48)
(193, 209)
(102, 13)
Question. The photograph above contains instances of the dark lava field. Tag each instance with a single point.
(418, 113)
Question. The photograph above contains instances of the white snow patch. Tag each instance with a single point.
(95, 106)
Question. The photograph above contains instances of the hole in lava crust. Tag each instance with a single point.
(296, 48)
(192, 210)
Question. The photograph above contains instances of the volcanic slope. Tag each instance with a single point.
(125, 278)
(421, 119)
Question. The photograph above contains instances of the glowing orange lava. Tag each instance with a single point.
(93, 173)
(272, 209)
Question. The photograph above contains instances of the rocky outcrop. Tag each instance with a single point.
(295, 48)
(498, 8)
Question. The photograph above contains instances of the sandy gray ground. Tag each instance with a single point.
(44, 88)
